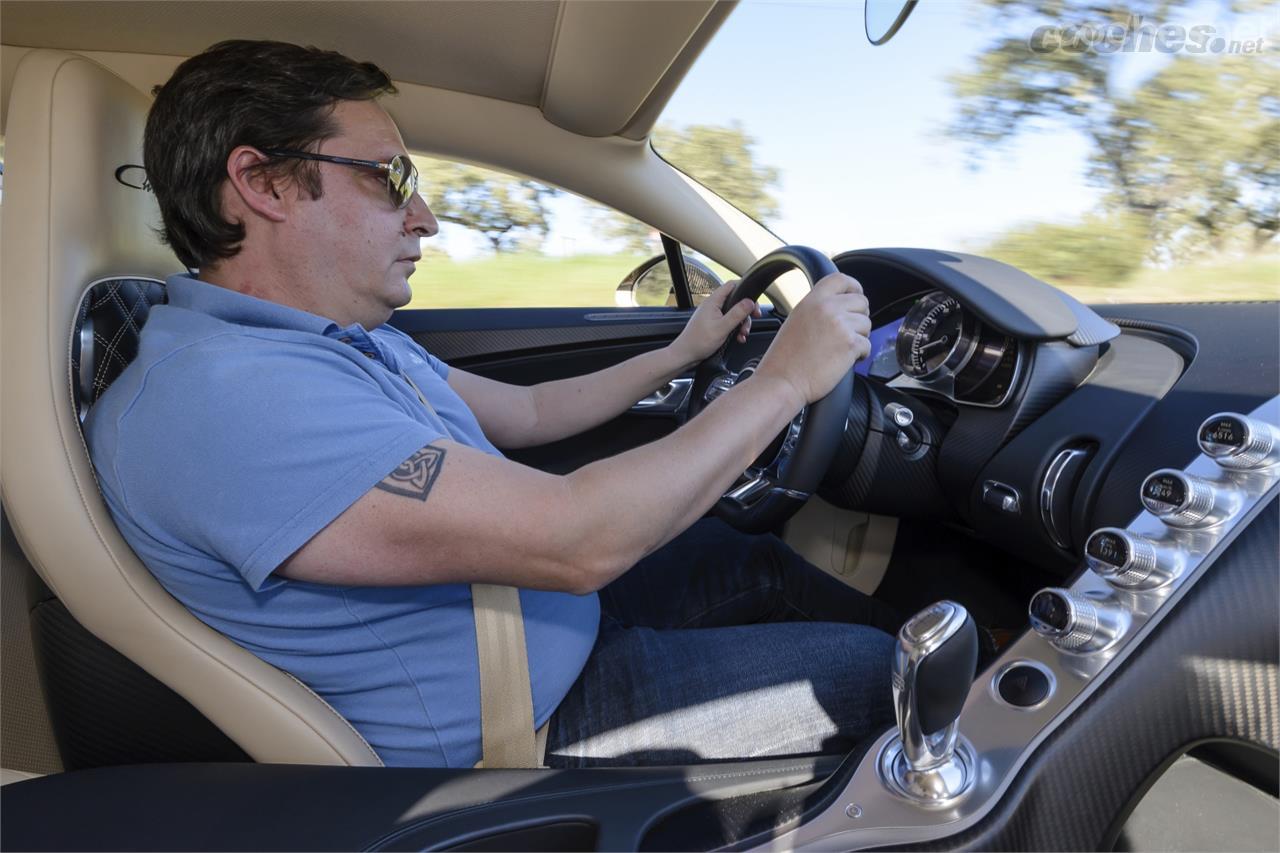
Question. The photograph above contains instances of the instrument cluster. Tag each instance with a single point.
(941, 347)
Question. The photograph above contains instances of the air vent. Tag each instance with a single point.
(1058, 491)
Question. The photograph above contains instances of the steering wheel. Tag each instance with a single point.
(783, 478)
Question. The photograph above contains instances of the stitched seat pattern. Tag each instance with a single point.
(105, 338)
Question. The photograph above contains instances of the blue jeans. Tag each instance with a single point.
(721, 645)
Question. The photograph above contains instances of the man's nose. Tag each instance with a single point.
(419, 219)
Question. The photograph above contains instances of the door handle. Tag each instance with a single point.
(667, 400)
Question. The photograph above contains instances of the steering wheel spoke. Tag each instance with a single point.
(772, 490)
(751, 488)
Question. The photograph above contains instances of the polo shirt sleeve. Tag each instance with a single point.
(436, 364)
(246, 451)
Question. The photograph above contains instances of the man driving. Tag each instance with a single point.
(312, 483)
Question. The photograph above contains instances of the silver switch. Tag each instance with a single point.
(1129, 561)
(900, 414)
(1240, 443)
(1074, 623)
(1181, 500)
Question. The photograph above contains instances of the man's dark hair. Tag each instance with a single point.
(261, 93)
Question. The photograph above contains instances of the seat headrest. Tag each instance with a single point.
(105, 336)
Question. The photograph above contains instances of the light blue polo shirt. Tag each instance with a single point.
(241, 429)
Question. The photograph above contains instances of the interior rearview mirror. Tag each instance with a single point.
(883, 18)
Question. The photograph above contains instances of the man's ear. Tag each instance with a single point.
(257, 189)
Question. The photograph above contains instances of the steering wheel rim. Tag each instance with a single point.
(767, 496)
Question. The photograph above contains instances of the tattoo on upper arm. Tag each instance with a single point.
(416, 475)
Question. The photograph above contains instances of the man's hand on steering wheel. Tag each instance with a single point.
(822, 338)
(813, 354)
(710, 325)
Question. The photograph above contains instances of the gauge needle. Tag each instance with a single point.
(939, 342)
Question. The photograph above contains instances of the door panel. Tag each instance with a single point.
(525, 346)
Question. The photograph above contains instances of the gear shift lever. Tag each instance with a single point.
(933, 668)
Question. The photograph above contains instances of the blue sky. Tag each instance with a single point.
(856, 130)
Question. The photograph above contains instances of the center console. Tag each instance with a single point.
(940, 774)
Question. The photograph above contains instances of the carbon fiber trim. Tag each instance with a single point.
(450, 345)
(1236, 367)
(847, 455)
(1055, 369)
(1098, 416)
(1093, 330)
(884, 480)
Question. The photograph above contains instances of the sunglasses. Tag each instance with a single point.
(402, 175)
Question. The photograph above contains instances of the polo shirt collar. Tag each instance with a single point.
(233, 307)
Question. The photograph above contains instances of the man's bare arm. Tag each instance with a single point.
(514, 416)
(453, 514)
(471, 517)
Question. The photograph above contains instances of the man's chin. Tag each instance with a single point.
(399, 294)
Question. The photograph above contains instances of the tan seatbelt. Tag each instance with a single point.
(507, 738)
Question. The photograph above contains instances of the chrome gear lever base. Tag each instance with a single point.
(937, 787)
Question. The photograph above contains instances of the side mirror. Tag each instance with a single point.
(883, 18)
(649, 285)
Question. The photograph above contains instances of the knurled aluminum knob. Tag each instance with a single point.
(1130, 561)
(1182, 500)
(1074, 623)
(1239, 443)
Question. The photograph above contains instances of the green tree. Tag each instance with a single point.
(1098, 251)
(724, 159)
(636, 237)
(510, 212)
(1206, 142)
(1193, 152)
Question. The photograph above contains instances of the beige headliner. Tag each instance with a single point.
(595, 67)
(564, 92)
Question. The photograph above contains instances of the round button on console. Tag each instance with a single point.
(1023, 685)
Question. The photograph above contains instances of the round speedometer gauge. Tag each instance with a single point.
(936, 338)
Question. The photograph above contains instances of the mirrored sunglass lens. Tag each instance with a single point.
(399, 178)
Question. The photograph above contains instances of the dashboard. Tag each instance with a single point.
(979, 401)
(1000, 405)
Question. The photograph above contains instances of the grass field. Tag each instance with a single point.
(520, 280)
(530, 280)
(1248, 279)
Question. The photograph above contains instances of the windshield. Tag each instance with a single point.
(1126, 157)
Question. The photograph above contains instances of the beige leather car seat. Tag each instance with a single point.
(66, 222)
